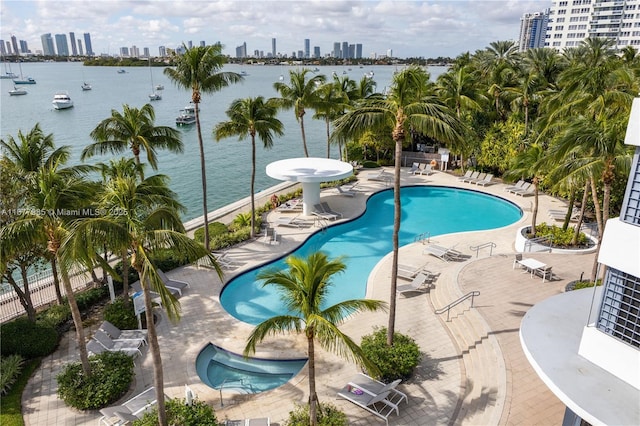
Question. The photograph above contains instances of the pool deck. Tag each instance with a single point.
(473, 371)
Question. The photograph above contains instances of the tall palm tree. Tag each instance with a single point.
(299, 94)
(133, 129)
(304, 286)
(407, 106)
(142, 218)
(332, 101)
(198, 70)
(251, 117)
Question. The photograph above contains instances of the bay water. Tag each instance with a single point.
(228, 162)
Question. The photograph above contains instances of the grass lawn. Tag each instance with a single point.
(11, 413)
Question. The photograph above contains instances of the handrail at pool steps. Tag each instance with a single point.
(425, 237)
(531, 241)
(447, 308)
(477, 248)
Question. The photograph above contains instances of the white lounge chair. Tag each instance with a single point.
(129, 411)
(374, 386)
(474, 175)
(562, 214)
(408, 272)
(517, 186)
(291, 206)
(292, 222)
(523, 187)
(420, 284)
(116, 334)
(327, 209)
(443, 253)
(130, 347)
(466, 175)
(525, 190)
(171, 283)
(381, 176)
(488, 180)
(414, 168)
(426, 169)
(478, 178)
(346, 192)
(376, 404)
(318, 211)
(270, 236)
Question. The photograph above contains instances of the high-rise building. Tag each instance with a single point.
(61, 45)
(533, 29)
(162, 51)
(8, 45)
(389, 53)
(273, 47)
(14, 45)
(87, 44)
(134, 52)
(358, 50)
(337, 53)
(585, 344)
(307, 48)
(345, 50)
(80, 51)
(124, 52)
(72, 41)
(3, 49)
(570, 22)
(241, 51)
(316, 51)
(146, 53)
(24, 48)
(47, 45)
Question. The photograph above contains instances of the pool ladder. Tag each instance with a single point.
(424, 237)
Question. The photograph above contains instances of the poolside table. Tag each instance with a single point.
(532, 265)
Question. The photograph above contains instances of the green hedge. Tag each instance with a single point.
(179, 413)
(328, 415)
(394, 362)
(28, 339)
(559, 237)
(111, 376)
(120, 314)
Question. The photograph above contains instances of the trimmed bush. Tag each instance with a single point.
(31, 340)
(370, 164)
(54, 316)
(119, 315)
(215, 229)
(394, 362)
(10, 369)
(111, 376)
(328, 415)
(179, 413)
(86, 299)
(559, 237)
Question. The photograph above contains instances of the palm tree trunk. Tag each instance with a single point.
(253, 181)
(56, 281)
(125, 277)
(204, 178)
(154, 348)
(534, 211)
(313, 396)
(583, 207)
(77, 322)
(24, 296)
(304, 137)
(572, 200)
(328, 137)
(596, 206)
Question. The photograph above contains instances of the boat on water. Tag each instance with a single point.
(28, 80)
(8, 75)
(86, 86)
(244, 73)
(316, 69)
(154, 96)
(159, 87)
(187, 115)
(17, 92)
(121, 71)
(61, 100)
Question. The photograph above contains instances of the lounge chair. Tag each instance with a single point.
(478, 178)
(466, 175)
(414, 168)
(517, 186)
(292, 222)
(545, 273)
(488, 180)
(270, 236)
(382, 176)
(474, 175)
(171, 283)
(408, 272)
(562, 214)
(95, 348)
(346, 192)
(291, 206)
(376, 404)
(129, 411)
(426, 169)
(116, 334)
(443, 253)
(318, 211)
(130, 347)
(264, 421)
(376, 387)
(224, 260)
(327, 209)
(523, 187)
(420, 284)
(137, 287)
(525, 190)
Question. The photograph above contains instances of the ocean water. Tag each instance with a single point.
(228, 162)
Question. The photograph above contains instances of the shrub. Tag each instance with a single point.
(230, 239)
(559, 237)
(370, 164)
(111, 376)
(88, 298)
(179, 413)
(118, 314)
(54, 316)
(11, 403)
(328, 415)
(394, 362)
(10, 369)
(215, 229)
(31, 340)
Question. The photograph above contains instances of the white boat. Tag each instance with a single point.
(187, 115)
(244, 73)
(86, 86)
(154, 96)
(122, 71)
(17, 92)
(159, 87)
(23, 80)
(61, 100)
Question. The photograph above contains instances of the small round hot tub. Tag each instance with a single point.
(221, 369)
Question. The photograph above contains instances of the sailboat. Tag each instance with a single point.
(22, 80)
(154, 96)
(7, 71)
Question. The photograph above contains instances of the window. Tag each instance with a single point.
(559, 27)
(556, 44)
(631, 204)
(557, 36)
(620, 310)
(560, 20)
(562, 12)
(573, 27)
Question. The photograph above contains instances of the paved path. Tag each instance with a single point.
(473, 370)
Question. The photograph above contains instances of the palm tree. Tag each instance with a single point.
(251, 117)
(300, 94)
(406, 106)
(198, 70)
(133, 129)
(332, 102)
(142, 218)
(304, 286)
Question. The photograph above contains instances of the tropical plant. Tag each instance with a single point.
(407, 106)
(332, 102)
(197, 413)
(328, 415)
(304, 286)
(10, 368)
(299, 94)
(133, 129)
(251, 117)
(198, 70)
(143, 217)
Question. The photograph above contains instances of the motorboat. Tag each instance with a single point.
(159, 87)
(244, 73)
(86, 86)
(316, 69)
(155, 96)
(121, 71)
(61, 100)
(187, 115)
(17, 92)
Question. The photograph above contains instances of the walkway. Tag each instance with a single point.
(473, 370)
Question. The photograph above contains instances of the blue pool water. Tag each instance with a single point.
(221, 369)
(367, 239)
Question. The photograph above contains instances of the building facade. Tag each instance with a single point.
(571, 21)
(533, 29)
(307, 48)
(47, 45)
(87, 44)
(585, 344)
(62, 47)
(72, 41)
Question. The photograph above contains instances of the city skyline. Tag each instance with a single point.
(408, 28)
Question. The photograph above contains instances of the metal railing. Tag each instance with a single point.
(447, 308)
(424, 237)
(477, 249)
(531, 241)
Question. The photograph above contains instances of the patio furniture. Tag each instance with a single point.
(346, 192)
(466, 175)
(478, 178)
(474, 175)
(117, 334)
(319, 212)
(488, 180)
(517, 186)
(130, 347)
(420, 284)
(426, 169)
(377, 404)
(171, 283)
(291, 206)
(327, 209)
(443, 253)
(414, 168)
(270, 236)
(533, 266)
(131, 410)
(264, 421)
(292, 222)
(373, 386)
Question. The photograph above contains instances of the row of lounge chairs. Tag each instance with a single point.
(557, 214)
(374, 396)
(444, 253)
(421, 169)
(382, 176)
(522, 188)
(131, 410)
(128, 343)
(477, 178)
(324, 211)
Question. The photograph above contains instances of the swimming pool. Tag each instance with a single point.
(367, 239)
(222, 369)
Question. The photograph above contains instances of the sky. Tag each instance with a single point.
(409, 28)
